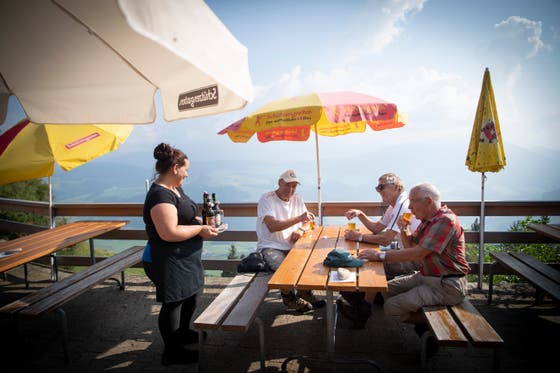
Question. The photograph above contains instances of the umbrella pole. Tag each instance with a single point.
(51, 218)
(481, 235)
(319, 207)
(54, 268)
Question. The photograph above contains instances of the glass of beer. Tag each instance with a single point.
(351, 226)
(312, 224)
(407, 216)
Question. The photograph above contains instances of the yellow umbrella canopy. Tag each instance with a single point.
(324, 113)
(29, 150)
(486, 149)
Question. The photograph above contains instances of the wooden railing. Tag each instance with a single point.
(330, 209)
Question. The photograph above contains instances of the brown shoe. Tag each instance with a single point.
(296, 303)
(308, 296)
(359, 315)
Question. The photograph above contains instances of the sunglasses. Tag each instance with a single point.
(380, 187)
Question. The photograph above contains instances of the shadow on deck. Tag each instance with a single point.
(117, 331)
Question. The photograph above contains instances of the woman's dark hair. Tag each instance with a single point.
(168, 156)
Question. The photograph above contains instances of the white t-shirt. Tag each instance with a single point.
(270, 205)
(389, 218)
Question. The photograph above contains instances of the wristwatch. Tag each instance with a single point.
(382, 256)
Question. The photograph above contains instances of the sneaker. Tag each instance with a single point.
(358, 315)
(296, 303)
(308, 296)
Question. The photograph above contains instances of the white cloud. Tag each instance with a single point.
(387, 28)
(532, 30)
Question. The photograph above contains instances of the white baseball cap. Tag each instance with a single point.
(289, 176)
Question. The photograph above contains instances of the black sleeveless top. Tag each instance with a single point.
(176, 266)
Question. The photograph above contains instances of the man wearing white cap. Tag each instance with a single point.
(281, 216)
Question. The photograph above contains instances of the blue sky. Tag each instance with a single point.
(426, 56)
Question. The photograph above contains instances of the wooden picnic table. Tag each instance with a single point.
(549, 230)
(303, 269)
(25, 249)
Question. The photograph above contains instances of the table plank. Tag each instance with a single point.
(372, 276)
(287, 276)
(46, 242)
(315, 275)
(350, 246)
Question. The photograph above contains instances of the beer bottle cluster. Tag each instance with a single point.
(212, 214)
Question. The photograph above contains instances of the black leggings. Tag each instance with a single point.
(174, 321)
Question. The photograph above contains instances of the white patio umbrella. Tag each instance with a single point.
(83, 61)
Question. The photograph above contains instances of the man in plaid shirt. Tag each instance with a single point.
(439, 245)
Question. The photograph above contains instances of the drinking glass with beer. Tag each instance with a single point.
(407, 216)
(312, 224)
(351, 226)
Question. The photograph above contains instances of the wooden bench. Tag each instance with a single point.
(235, 309)
(460, 325)
(545, 278)
(54, 296)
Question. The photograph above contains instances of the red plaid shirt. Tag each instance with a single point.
(443, 235)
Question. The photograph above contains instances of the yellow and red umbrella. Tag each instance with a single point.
(486, 150)
(29, 150)
(326, 114)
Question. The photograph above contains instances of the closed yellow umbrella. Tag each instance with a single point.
(486, 150)
(29, 150)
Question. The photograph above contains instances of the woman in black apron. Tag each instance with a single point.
(173, 256)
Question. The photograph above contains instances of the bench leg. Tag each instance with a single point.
(25, 276)
(54, 268)
(424, 351)
(539, 296)
(123, 283)
(261, 343)
(490, 282)
(201, 341)
(498, 353)
(120, 282)
(64, 329)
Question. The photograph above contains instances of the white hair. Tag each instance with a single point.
(428, 190)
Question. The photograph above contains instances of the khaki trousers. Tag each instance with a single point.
(407, 294)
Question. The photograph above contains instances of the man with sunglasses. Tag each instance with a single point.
(382, 232)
